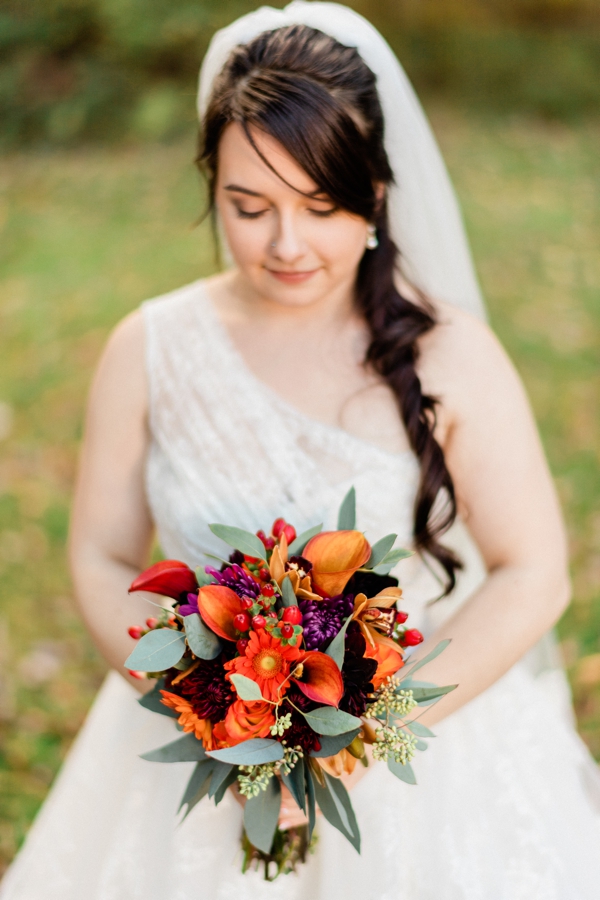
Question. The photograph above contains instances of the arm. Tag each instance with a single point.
(506, 495)
(111, 528)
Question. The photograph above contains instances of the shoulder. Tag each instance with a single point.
(121, 374)
(463, 364)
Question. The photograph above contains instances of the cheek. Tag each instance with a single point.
(247, 239)
(342, 243)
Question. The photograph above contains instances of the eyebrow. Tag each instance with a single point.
(318, 195)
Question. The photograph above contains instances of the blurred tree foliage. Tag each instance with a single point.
(106, 69)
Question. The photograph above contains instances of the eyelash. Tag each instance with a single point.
(322, 214)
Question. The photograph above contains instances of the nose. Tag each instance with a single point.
(288, 244)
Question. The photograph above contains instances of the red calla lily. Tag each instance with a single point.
(321, 680)
(335, 557)
(218, 606)
(169, 578)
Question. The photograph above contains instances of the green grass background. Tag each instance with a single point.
(87, 234)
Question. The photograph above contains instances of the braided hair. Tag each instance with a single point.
(319, 100)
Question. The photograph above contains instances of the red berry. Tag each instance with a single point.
(258, 622)
(171, 621)
(292, 615)
(151, 622)
(411, 638)
(139, 675)
(135, 632)
(241, 621)
(290, 533)
(247, 602)
(262, 536)
(278, 526)
(401, 617)
(270, 543)
(264, 574)
(287, 630)
(241, 645)
(268, 590)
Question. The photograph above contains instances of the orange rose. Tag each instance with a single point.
(335, 557)
(389, 661)
(248, 720)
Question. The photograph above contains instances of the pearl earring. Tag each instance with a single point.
(372, 241)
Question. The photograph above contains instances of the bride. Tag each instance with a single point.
(343, 346)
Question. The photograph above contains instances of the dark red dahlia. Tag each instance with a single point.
(357, 673)
(322, 619)
(206, 689)
(300, 734)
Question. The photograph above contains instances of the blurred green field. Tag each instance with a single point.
(87, 234)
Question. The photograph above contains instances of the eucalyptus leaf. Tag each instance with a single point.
(241, 540)
(185, 749)
(153, 701)
(294, 782)
(201, 640)
(337, 647)
(439, 648)
(156, 651)
(332, 744)
(288, 596)
(394, 556)
(403, 772)
(202, 577)
(250, 753)
(328, 720)
(421, 745)
(220, 793)
(419, 730)
(197, 786)
(347, 513)
(334, 802)
(426, 695)
(246, 688)
(221, 773)
(261, 814)
(379, 550)
(298, 545)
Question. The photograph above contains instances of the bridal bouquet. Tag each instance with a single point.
(279, 666)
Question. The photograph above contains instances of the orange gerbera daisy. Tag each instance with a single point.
(188, 719)
(267, 662)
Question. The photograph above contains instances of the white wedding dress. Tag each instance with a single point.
(506, 807)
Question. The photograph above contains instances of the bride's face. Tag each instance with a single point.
(292, 249)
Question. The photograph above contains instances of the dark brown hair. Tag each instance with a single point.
(319, 100)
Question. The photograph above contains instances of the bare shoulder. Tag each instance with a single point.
(464, 365)
(121, 373)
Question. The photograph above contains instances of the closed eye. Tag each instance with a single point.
(242, 214)
(324, 213)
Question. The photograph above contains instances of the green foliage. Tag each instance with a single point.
(114, 69)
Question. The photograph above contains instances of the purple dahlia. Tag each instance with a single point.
(237, 579)
(322, 619)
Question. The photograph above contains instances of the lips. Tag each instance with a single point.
(292, 277)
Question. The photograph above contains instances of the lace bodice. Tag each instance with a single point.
(226, 448)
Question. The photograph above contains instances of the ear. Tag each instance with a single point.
(379, 193)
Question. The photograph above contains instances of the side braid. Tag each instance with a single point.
(396, 324)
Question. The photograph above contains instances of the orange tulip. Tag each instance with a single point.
(218, 606)
(335, 556)
(319, 678)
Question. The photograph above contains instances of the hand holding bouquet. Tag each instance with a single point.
(279, 666)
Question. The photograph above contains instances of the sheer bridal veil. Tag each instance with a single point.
(424, 216)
